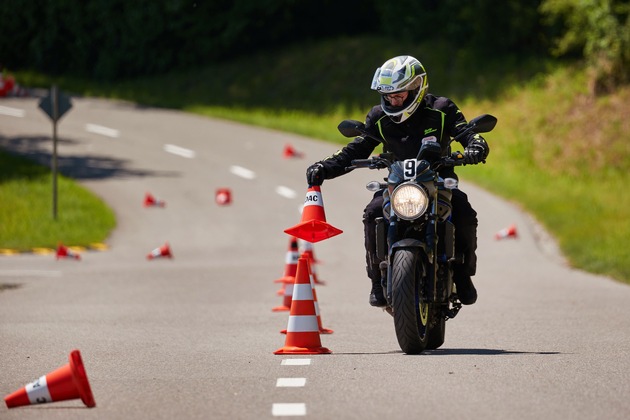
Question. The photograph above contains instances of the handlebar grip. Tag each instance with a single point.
(361, 162)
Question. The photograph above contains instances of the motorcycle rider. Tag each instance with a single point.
(407, 116)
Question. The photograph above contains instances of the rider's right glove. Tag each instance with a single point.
(473, 154)
(315, 174)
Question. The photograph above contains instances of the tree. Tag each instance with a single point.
(600, 30)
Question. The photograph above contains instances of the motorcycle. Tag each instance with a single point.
(415, 238)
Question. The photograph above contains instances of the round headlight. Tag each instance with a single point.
(409, 201)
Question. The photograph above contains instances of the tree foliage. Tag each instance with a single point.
(597, 29)
(120, 39)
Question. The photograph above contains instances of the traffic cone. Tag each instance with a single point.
(307, 247)
(290, 266)
(150, 201)
(509, 232)
(313, 226)
(65, 252)
(322, 330)
(310, 255)
(290, 152)
(288, 297)
(66, 383)
(303, 329)
(223, 196)
(163, 251)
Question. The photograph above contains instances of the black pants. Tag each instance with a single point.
(463, 216)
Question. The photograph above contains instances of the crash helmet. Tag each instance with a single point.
(399, 74)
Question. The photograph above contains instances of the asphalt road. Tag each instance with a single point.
(193, 337)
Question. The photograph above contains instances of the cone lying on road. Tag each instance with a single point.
(150, 201)
(65, 252)
(162, 252)
(509, 232)
(313, 226)
(290, 152)
(66, 383)
(303, 329)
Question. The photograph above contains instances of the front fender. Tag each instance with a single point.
(407, 243)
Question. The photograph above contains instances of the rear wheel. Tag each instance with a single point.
(413, 318)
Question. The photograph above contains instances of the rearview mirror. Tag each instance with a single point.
(483, 123)
(351, 128)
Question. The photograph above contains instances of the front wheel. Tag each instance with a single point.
(414, 318)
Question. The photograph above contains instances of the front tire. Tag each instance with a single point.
(413, 317)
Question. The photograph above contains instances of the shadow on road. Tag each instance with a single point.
(80, 167)
(481, 352)
(455, 352)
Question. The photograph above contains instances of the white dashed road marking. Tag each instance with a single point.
(296, 362)
(242, 172)
(180, 151)
(103, 131)
(12, 112)
(290, 382)
(285, 192)
(289, 409)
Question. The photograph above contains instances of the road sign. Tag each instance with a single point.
(55, 104)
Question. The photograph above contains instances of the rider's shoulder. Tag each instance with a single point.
(437, 102)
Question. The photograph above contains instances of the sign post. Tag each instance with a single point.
(55, 105)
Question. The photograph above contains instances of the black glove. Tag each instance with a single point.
(315, 174)
(474, 154)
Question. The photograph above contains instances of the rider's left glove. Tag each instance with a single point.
(474, 154)
(315, 174)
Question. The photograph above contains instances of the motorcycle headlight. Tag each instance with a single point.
(409, 201)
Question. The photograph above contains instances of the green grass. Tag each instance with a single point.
(26, 213)
(557, 151)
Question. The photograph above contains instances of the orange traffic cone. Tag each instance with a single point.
(163, 251)
(150, 201)
(66, 383)
(290, 152)
(303, 329)
(322, 330)
(310, 255)
(290, 266)
(288, 297)
(307, 248)
(65, 252)
(509, 232)
(223, 196)
(313, 226)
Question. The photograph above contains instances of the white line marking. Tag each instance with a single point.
(290, 382)
(285, 192)
(25, 273)
(12, 112)
(242, 172)
(289, 409)
(103, 131)
(296, 362)
(180, 151)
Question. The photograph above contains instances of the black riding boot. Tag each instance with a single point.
(466, 245)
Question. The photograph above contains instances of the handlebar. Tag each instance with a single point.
(385, 160)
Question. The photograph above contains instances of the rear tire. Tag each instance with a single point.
(413, 318)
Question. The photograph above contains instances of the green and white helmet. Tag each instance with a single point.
(402, 73)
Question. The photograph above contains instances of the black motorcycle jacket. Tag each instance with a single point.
(437, 119)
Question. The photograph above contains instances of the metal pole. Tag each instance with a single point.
(55, 116)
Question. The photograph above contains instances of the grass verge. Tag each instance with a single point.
(27, 211)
